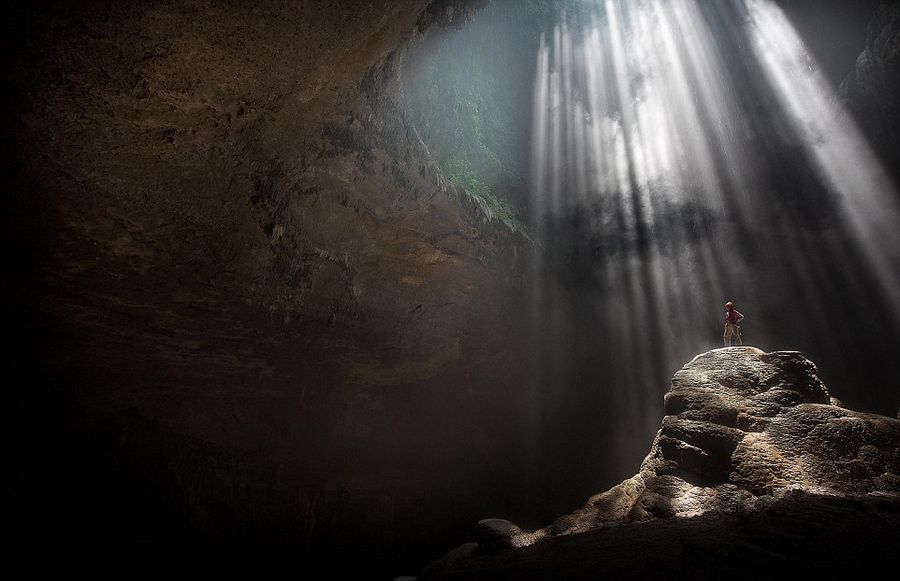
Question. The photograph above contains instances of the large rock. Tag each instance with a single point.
(741, 424)
(744, 429)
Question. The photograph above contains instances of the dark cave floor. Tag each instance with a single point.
(802, 536)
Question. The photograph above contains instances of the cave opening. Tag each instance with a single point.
(680, 155)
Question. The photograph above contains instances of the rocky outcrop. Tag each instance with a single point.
(742, 429)
(741, 424)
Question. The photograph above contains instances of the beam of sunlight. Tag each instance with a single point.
(843, 157)
(654, 164)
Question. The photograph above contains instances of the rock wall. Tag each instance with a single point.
(242, 290)
(872, 90)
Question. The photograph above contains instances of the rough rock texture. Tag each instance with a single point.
(252, 160)
(799, 536)
(741, 424)
(241, 289)
(743, 428)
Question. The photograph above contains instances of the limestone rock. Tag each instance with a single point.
(742, 428)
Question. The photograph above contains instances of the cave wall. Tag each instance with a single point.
(251, 313)
(871, 91)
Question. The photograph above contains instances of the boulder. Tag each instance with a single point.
(743, 429)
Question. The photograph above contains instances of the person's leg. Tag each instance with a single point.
(737, 335)
(726, 336)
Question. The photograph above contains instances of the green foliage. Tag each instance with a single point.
(460, 174)
(467, 98)
(469, 95)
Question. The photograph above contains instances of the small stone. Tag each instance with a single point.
(496, 534)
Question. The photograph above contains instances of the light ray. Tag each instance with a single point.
(645, 118)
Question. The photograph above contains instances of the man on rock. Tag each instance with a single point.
(733, 317)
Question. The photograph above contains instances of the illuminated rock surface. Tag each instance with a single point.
(752, 445)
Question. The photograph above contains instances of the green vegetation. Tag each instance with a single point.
(470, 99)
(469, 94)
(460, 174)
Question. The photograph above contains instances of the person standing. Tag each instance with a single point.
(733, 318)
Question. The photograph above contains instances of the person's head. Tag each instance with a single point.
(729, 305)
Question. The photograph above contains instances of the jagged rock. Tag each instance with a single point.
(743, 429)
(740, 424)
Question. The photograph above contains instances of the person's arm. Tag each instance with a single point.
(738, 318)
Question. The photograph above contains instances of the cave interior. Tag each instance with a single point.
(310, 288)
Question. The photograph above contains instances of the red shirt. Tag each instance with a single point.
(732, 316)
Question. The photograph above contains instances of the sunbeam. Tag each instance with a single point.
(650, 148)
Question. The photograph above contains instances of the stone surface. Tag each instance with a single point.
(743, 429)
(245, 291)
(799, 536)
(741, 424)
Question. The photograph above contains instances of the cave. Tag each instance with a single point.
(326, 289)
